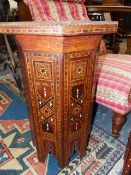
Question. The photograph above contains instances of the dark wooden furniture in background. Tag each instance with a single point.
(120, 11)
(8, 47)
(127, 158)
(23, 11)
(127, 25)
(127, 17)
(58, 61)
(128, 50)
(109, 6)
(4, 13)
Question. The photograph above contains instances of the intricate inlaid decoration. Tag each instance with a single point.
(47, 127)
(40, 102)
(50, 55)
(76, 126)
(79, 117)
(77, 91)
(76, 110)
(59, 28)
(45, 90)
(81, 101)
(51, 104)
(46, 111)
(52, 120)
(79, 69)
(77, 54)
(43, 70)
(77, 106)
(45, 103)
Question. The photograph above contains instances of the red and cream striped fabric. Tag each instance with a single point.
(57, 10)
(114, 82)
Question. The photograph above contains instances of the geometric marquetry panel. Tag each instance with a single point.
(81, 101)
(48, 124)
(44, 85)
(76, 110)
(50, 103)
(79, 69)
(44, 91)
(76, 126)
(45, 98)
(46, 111)
(47, 127)
(47, 119)
(43, 70)
(77, 91)
(77, 101)
(51, 120)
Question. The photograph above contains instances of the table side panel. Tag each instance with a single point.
(60, 81)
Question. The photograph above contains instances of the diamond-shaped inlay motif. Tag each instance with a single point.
(46, 111)
(73, 118)
(79, 116)
(81, 101)
(51, 104)
(40, 102)
(51, 120)
(76, 110)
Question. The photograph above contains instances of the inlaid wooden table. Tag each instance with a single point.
(57, 62)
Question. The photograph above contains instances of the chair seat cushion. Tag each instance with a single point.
(56, 10)
(113, 78)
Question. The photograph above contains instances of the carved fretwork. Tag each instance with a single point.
(49, 148)
(75, 145)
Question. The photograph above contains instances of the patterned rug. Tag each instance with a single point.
(18, 156)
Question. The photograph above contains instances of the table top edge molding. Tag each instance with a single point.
(58, 28)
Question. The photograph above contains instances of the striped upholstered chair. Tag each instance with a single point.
(113, 74)
(57, 10)
(113, 86)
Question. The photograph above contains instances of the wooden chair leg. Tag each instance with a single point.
(118, 121)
